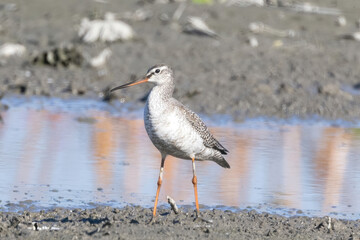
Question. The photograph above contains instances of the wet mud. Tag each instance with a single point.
(133, 223)
(314, 73)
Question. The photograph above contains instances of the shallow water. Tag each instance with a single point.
(76, 153)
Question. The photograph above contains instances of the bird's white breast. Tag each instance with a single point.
(169, 129)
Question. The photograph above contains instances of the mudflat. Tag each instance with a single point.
(313, 73)
(133, 223)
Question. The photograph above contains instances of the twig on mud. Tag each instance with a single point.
(173, 204)
(329, 224)
(179, 11)
(259, 27)
(245, 3)
(307, 7)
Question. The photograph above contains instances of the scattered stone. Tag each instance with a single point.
(101, 59)
(252, 41)
(352, 36)
(134, 221)
(138, 15)
(341, 21)
(173, 204)
(12, 49)
(61, 56)
(89, 120)
(334, 90)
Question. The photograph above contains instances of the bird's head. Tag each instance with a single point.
(158, 74)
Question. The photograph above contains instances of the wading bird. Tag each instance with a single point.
(174, 129)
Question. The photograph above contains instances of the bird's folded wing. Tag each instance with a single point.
(200, 127)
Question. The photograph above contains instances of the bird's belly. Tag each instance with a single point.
(173, 135)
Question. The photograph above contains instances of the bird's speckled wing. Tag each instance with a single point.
(200, 127)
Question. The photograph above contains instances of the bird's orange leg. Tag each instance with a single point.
(194, 181)
(158, 186)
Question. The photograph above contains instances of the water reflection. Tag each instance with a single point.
(51, 157)
(331, 160)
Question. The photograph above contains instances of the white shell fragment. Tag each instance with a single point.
(172, 204)
(341, 21)
(35, 226)
(245, 3)
(107, 30)
(259, 27)
(12, 49)
(253, 42)
(352, 36)
(196, 25)
(101, 59)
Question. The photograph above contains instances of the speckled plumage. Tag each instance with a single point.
(176, 130)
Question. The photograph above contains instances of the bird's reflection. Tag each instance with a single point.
(291, 166)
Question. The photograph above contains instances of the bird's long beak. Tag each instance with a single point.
(129, 84)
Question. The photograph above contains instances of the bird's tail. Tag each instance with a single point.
(222, 162)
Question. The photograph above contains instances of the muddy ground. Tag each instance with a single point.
(315, 73)
(133, 223)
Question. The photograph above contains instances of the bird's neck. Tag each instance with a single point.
(163, 92)
(158, 99)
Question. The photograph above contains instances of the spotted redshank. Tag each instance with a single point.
(174, 129)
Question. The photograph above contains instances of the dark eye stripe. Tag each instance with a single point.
(152, 72)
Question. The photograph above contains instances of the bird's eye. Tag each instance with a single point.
(157, 70)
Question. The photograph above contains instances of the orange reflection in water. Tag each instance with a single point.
(235, 180)
(291, 182)
(331, 160)
(291, 166)
(103, 143)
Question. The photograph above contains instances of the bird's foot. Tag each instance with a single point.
(201, 219)
(152, 221)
